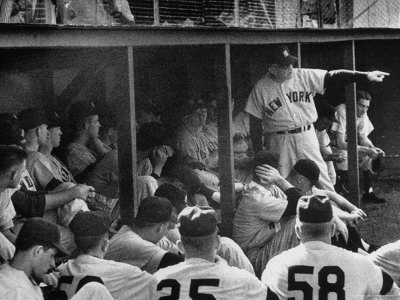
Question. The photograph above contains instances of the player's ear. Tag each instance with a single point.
(333, 229)
(180, 246)
(104, 245)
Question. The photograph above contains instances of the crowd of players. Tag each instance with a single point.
(294, 236)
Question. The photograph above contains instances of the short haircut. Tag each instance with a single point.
(150, 135)
(89, 242)
(29, 245)
(314, 230)
(202, 243)
(174, 194)
(153, 210)
(363, 95)
(10, 156)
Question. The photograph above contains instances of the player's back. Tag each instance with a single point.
(122, 280)
(316, 270)
(197, 278)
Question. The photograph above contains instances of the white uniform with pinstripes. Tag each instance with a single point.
(287, 106)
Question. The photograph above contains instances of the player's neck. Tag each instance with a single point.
(206, 256)
(324, 239)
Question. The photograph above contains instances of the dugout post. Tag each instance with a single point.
(352, 138)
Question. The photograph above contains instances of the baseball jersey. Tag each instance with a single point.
(197, 278)
(388, 259)
(105, 175)
(363, 124)
(128, 247)
(257, 217)
(14, 284)
(192, 146)
(123, 281)
(210, 133)
(79, 158)
(59, 170)
(7, 211)
(38, 166)
(7, 249)
(316, 270)
(287, 105)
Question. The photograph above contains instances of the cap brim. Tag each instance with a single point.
(60, 248)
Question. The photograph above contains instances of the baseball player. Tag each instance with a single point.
(203, 275)
(135, 243)
(36, 245)
(366, 149)
(387, 258)
(12, 162)
(263, 224)
(122, 280)
(281, 106)
(317, 270)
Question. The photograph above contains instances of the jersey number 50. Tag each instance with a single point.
(325, 287)
(194, 288)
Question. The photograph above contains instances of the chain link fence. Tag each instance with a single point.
(268, 14)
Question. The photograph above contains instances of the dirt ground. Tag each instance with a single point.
(383, 223)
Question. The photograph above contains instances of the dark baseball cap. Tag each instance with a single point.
(54, 119)
(280, 55)
(173, 193)
(308, 169)
(314, 209)
(38, 231)
(31, 118)
(10, 130)
(197, 221)
(90, 223)
(81, 110)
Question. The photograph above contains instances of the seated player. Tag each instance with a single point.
(228, 249)
(365, 148)
(135, 244)
(305, 177)
(86, 148)
(203, 274)
(27, 201)
(263, 224)
(35, 123)
(315, 269)
(387, 258)
(123, 281)
(12, 164)
(36, 246)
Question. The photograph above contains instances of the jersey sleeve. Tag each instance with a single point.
(41, 173)
(388, 259)
(365, 126)
(341, 117)
(314, 78)
(7, 211)
(254, 105)
(255, 289)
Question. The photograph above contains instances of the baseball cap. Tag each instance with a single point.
(90, 223)
(280, 55)
(81, 110)
(10, 130)
(197, 221)
(40, 232)
(31, 118)
(314, 209)
(54, 119)
(308, 169)
(377, 164)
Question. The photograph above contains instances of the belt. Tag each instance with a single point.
(296, 130)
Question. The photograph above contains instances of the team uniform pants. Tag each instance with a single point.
(294, 146)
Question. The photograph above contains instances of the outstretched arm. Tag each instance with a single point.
(337, 78)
